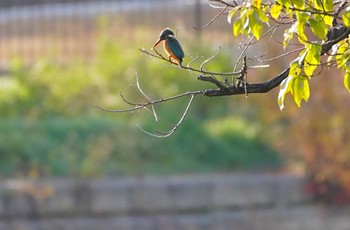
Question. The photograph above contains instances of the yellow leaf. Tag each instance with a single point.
(255, 25)
(346, 17)
(319, 28)
(257, 30)
(299, 3)
(301, 32)
(318, 4)
(285, 88)
(347, 80)
(288, 34)
(312, 58)
(300, 89)
(237, 26)
(275, 11)
(328, 20)
(262, 16)
(328, 5)
(231, 14)
(257, 3)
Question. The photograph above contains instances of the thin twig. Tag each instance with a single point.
(226, 4)
(212, 20)
(269, 41)
(146, 96)
(209, 59)
(142, 105)
(194, 59)
(246, 46)
(282, 55)
(171, 131)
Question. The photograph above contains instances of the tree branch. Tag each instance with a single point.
(249, 88)
(224, 88)
(161, 57)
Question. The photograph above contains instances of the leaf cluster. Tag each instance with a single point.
(309, 25)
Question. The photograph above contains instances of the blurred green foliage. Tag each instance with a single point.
(49, 124)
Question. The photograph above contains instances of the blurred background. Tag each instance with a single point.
(60, 58)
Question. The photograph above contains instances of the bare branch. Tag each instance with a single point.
(171, 131)
(282, 55)
(145, 104)
(213, 80)
(209, 59)
(226, 4)
(213, 19)
(159, 56)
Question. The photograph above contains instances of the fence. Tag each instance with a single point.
(66, 28)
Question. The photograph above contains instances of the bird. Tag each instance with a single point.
(171, 46)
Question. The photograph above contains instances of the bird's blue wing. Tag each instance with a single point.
(175, 46)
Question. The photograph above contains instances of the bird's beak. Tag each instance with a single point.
(157, 42)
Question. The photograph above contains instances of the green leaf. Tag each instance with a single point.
(255, 25)
(246, 23)
(257, 30)
(294, 69)
(347, 80)
(302, 56)
(245, 15)
(286, 85)
(231, 14)
(318, 4)
(319, 28)
(237, 26)
(328, 20)
(302, 16)
(284, 3)
(344, 63)
(301, 32)
(342, 50)
(288, 34)
(312, 58)
(339, 48)
(284, 89)
(328, 5)
(262, 16)
(275, 11)
(300, 89)
(346, 17)
(299, 3)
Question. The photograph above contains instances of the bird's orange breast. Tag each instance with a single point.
(170, 53)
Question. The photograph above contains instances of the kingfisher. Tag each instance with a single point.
(171, 46)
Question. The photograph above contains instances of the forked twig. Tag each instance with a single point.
(209, 59)
(145, 96)
(171, 131)
(138, 106)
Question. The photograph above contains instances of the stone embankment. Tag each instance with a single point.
(190, 202)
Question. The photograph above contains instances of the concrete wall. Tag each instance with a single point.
(193, 202)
